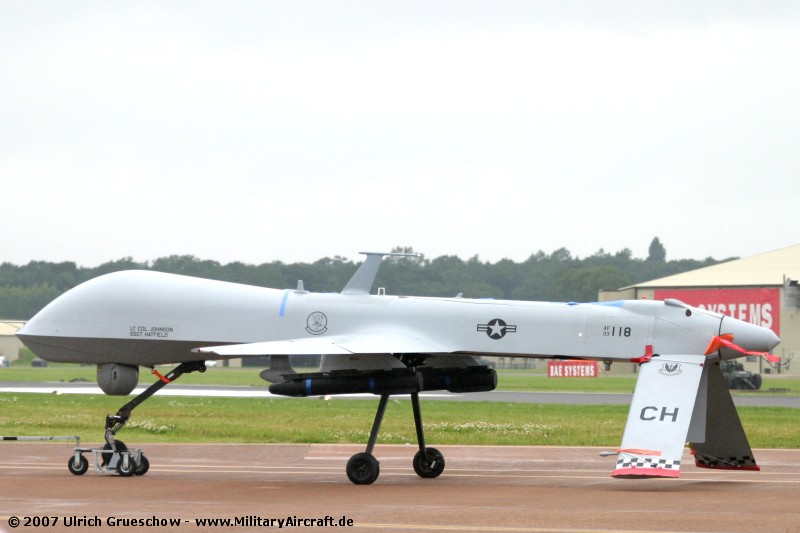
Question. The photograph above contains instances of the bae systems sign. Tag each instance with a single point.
(757, 306)
(571, 369)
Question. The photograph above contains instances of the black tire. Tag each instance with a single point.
(118, 446)
(130, 470)
(757, 381)
(143, 466)
(429, 464)
(81, 468)
(363, 469)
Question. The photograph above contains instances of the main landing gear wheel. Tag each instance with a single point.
(363, 469)
(80, 468)
(429, 463)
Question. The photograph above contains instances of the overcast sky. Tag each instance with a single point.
(260, 131)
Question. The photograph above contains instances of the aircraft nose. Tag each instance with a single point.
(750, 336)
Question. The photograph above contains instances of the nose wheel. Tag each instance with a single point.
(363, 468)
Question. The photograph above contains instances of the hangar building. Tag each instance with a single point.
(761, 289)
(9, 343)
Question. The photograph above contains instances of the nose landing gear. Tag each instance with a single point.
(115, 456)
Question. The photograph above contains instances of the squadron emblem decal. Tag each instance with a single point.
(317, 323)
(670, 369)
(497, 328)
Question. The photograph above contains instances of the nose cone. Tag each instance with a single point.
(750, 336)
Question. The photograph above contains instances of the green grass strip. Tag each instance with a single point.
(508, 380)
(243, 420)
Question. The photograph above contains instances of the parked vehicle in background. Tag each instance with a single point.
(736, 377)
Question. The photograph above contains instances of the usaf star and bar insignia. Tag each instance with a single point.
(497, 328)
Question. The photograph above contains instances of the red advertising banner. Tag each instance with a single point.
(571, 369)
(757, 306)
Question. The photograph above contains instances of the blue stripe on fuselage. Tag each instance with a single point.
(282, 312)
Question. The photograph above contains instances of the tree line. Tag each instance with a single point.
(558, 276)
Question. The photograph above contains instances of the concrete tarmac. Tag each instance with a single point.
(483, 488)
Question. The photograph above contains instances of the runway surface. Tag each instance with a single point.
(554, 489)
(575, 398)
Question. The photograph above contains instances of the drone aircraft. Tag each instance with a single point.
(403, 345)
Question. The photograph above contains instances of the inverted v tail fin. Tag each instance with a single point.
(724, 443)
(659, 418)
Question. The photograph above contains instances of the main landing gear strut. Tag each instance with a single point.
(363, 468)
(137, 464)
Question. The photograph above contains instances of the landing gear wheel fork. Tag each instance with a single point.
(363, 468)
(126, 466)
(428, 462)
(114, 423)
(108, 452)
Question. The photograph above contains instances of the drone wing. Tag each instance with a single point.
(362, 343)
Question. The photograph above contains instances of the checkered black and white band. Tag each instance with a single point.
(743, 461)
(628, 461)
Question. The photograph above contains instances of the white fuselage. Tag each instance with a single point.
(147, 318)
